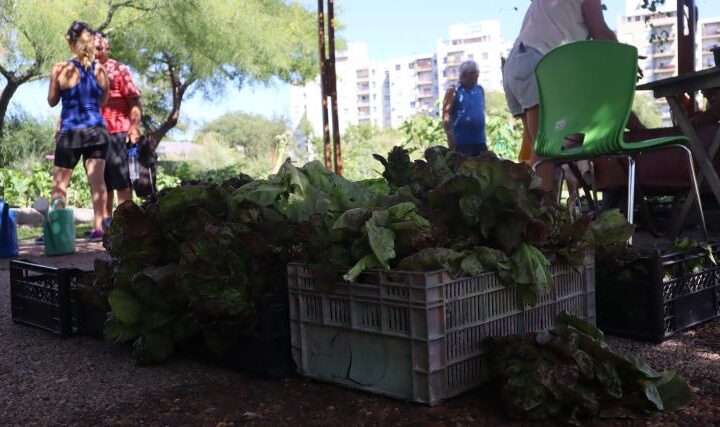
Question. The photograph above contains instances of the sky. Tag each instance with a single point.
(389, 27)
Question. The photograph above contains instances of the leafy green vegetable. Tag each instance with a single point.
(569, 374)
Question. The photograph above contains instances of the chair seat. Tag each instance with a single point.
(659, 172)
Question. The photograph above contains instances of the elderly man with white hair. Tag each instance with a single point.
(464, 113)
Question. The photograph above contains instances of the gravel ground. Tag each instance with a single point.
(45, 380)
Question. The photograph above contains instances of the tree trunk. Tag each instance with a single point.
(7, 94)
(178, 92)
(172, 118)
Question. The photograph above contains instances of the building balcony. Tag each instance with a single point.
(425, 95)
(711, 36)
(425, 82)
(663, 54)
(424, 65)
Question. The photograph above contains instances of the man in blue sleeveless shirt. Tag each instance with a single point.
(464, 113)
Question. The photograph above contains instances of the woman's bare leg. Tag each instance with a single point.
(95, 169)
(61, 181)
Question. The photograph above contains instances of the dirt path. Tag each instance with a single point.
(45, 380)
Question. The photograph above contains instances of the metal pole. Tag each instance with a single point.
(686, 20)
(323, 86)
(332, 85)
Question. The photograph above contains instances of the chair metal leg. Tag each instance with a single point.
(559, 178)
(696, 190)
(631, 193)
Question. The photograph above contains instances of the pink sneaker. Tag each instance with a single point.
(96, 236)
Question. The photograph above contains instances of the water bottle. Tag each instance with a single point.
(133, 163)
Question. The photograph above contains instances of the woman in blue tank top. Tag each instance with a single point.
(464, 113)
(82, 85)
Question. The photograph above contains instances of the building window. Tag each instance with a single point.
(397, 67)
(484, 56)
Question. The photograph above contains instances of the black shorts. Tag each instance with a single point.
(68, 157)
(117, 175)
(88, 143)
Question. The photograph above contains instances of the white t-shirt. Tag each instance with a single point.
(550, 23)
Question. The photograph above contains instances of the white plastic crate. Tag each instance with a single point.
(417, 336)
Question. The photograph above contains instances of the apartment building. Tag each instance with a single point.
(479, 41)
(708, 37)
(361, 87)
(654, 35)
(385, 94)
(412, 87)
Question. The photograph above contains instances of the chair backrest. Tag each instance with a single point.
(585, 88)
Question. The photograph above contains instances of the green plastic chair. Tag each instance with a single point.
(587, 88)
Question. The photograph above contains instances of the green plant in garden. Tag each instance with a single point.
(423, 131)
(503, 131)
(21, 188)
(358, 145)
(484, 202)
(197, 259)
(569, 374)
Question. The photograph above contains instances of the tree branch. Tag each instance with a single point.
(114, 7)
(7, 74)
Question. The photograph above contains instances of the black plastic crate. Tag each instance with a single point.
(44, 296)
(673, 298)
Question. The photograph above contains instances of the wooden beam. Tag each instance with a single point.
(686, 26)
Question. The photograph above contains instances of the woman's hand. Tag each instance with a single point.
(54, 88)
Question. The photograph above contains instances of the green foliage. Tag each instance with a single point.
(647, 110)
(26, 140)
(423, 131)
(198, 259)
(569, 374)
(20, 188)
(503, 131)
(255, 135)
(480, 203)
(185, 49)
(358, 145)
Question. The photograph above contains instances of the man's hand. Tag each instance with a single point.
(133, 135)
(640, 73)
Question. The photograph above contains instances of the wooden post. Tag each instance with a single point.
(686, 26)
(332, 85)
(323, 86)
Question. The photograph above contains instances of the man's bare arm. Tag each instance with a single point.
(135, 119)
(593, 15)
(448, 102)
